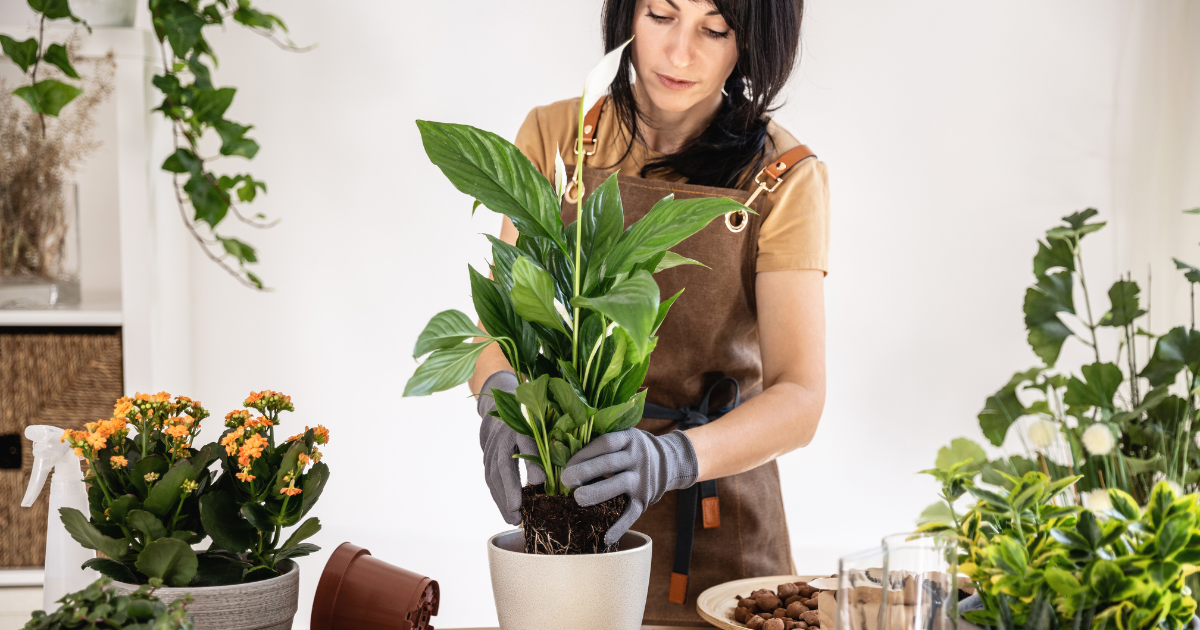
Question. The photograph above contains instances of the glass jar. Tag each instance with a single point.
(39, 248)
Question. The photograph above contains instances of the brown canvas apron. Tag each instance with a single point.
(710, 333)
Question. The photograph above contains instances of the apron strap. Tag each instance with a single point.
(705, 491)
(737, 220)
(591, 121)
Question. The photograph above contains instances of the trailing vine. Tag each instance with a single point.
(194, 107)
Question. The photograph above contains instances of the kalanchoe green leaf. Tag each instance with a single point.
(169, 560)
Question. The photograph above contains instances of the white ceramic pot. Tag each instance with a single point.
(603, 591)
(266, 605)
(105, 12)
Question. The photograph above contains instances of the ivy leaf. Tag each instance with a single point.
(496, 173)
(53, 9)
(180, 25)
(1172, 351)
(233, 140)
(1124, 299)
(444, 369)
(532, 295)
(1053, 294)
(48, 97)
(1102, 382)
(210, 105)
(24, 54)
(182, 161)
(1078, 225)
(239, 250)
(209, 203)
(667, 224)
(56, 55)
(633, 304)
(446, 329)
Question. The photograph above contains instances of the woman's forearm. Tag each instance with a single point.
(781, 419)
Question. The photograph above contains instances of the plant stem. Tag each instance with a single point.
(578, 236)
(36, 61)
(1086, 300)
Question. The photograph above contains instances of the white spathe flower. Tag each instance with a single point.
(563, 312)
(1098, 439)
(602, 76)
(560, 173)
(1175, 487)
(1098, 501)
(1042, 433)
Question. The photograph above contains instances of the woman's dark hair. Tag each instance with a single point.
(731, 150)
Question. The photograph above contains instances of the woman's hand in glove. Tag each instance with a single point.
(642, 465)
(499, 443)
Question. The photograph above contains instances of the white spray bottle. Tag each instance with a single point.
(64, 556)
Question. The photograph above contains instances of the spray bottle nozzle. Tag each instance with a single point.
(48, 452)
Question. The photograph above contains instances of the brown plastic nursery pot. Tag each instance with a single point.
(361, 592)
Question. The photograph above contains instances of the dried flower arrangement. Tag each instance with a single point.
(37, 158)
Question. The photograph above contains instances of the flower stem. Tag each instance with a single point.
(578, 236)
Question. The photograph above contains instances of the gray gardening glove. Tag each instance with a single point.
(499, 443)
(643, 466)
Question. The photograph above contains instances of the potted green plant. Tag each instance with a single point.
(153, 496)
(99, 606)
(574, 309)
(1037, 565)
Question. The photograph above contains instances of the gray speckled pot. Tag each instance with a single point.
(266, 605)
(604, 591)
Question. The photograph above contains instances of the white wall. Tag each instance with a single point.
(955, 133)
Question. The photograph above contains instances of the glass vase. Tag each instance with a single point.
(39, 248)
(922, 589)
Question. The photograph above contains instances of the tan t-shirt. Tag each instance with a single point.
(795, 234)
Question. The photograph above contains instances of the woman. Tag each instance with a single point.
(749, 328)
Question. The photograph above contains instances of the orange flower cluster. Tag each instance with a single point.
(247, 440)
(181, 430)
(269, 402)
(95, 436)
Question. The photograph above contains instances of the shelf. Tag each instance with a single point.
(30, 576)
(92, 312)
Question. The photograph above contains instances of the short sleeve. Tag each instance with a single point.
(795, 234)
(532, 142)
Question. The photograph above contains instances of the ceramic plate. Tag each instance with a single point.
(716, 604)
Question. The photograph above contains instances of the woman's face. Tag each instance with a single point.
(682, 51)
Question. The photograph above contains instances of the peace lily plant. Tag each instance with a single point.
(580, 368)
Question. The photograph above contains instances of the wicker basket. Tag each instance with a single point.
(57, 376)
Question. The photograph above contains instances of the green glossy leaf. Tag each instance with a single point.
(493, 171)
(291, 457)
(533, 295)
(671, 259)
(1161, 500)
(55, 9)
(960, 450)
(87, 535)
(633, 415)
(1089, 529)
(445, 369)
(633, 304)
(150, 464)
(120, 507)
(663, 308)
(1123, 295)
(148, 524)
(242, 252)
(608, 419)
(1055, 255)
(1102, 381)
(616, 361)
(667, 224)
(222, 520)
(1124, 504)
(1052, 294)
(306, 530)
(446, 329)
(118, 571)
(170, 560)
(258, 517)
(1172, 352)
(1108, 581)
(312, 487)
(298, 551)
(56, 55)
(181, 26)
(164, 495)
(1003, 408)
(48, 96)
(533, 395)
(209, 106)
(568, 399)
(1174, 534)
(234, 140)
(208, 201)
(24, 54)
(1163, 573)
(1191, 273)
(182, 161)
(938, 513)
(508, 410)
(559, 454)
(603, 221)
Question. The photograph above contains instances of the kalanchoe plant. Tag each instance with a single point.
(1041, 566)
(573, 308)
(152, 494)
(267, 487)
(48, 96)
(98, 606)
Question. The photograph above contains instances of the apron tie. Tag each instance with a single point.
(688, 418)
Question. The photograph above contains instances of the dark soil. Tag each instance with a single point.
(560, 526)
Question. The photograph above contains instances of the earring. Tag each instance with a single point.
(724, 92)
